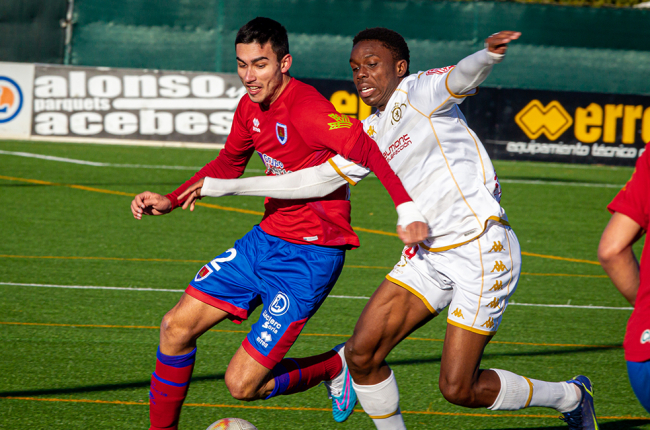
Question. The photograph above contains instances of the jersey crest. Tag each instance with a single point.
(281, 132)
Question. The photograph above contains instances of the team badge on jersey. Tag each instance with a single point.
(645, 337)
(279, 305)
(203, 273)
(397, 113)
(281, 132)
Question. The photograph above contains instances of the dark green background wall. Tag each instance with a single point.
(562, 48)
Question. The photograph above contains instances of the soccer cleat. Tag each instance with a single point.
(340, 390)
(584, 416)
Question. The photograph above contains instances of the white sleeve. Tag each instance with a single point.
(471, 71)
(315, 181)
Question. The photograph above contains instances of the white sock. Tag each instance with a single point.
(381, 403)
(518, 392)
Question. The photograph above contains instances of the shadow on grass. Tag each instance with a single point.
(95, 388)
(609, 425)
(220, 376)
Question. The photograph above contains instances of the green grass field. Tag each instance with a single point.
(79, 358)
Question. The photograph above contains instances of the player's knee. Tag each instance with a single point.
(455, 392)
(361, 360)
(173, 332)
(240, 389)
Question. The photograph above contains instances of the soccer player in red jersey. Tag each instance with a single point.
(288, 263)
(630, 218)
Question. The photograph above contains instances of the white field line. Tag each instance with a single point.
(89, 287)
(195, 168)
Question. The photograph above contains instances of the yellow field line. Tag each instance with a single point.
(246, 211)
(288, 408)
(425, 339)
(169, 260)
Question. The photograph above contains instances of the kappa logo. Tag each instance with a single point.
(281, 132)
(279, 305)
(340, 121)
(497, 247)
(371, 132)
(645, 337)
(493, 304)
(536, 119)
(11, 99)
(499, 266)
(203, 273)
(498, 285)
(489, 323)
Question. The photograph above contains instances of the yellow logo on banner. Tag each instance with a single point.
(536, 119)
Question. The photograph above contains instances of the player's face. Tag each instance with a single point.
(375, 72)
(260, 71)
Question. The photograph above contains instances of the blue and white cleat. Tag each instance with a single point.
(584, 416)
(340, 390)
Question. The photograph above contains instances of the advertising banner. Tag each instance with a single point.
(134, 105)
(16, 81)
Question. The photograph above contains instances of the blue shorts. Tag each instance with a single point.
(639, 374)
(291, 280)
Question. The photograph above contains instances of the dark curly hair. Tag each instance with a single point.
(262, 30)
(392, 40)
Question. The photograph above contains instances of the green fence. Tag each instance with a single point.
(562, 48)
(31, 30)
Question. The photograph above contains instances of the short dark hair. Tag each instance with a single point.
(390, 39)
(261, 30)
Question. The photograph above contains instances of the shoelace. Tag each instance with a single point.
(574, 422)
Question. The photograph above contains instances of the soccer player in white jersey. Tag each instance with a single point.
(470, 262)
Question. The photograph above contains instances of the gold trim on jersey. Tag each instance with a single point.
(478, 151)
(414, 292)
(472, 329)
(457, 95)
(446, 248)
(480, 297)
(343, 175)
(530, 395)
(381, 417)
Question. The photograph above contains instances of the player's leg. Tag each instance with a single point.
(392, 313)
(296, 279)
(180, 328)
(492, 264)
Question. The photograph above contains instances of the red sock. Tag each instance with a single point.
(169, 384)
(293, 375)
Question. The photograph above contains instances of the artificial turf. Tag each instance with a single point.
(82, 358)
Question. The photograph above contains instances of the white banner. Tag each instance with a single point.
(16, 89)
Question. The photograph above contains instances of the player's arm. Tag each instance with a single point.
(317, 181)
(617, 257)
(471, 71)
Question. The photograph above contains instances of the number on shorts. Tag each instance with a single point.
(233, 254)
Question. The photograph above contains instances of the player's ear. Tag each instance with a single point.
(401, 67)
(285, 63)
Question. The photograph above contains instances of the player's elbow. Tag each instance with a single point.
(608, 252)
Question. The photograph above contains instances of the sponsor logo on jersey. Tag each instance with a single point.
(279, 305)
(440, 71)
(11, 99)
(256, 125)
(397, 147)
(340, 121)
(273, 166)
(645, 337)
(270, 323)
(281, 132)
(203, 273)
(410, 252)
(397, 113)
(536, 119)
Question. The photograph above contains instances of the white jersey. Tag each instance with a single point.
(441, 162)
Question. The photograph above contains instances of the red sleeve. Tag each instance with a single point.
(322, 127)
(633, 199)
(229, 164)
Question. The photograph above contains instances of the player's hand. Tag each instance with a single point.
(414, 233)
(193, 194)
(498, 42)
(149, 203)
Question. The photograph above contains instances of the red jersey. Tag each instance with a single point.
(634, 201)
(300, 129)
